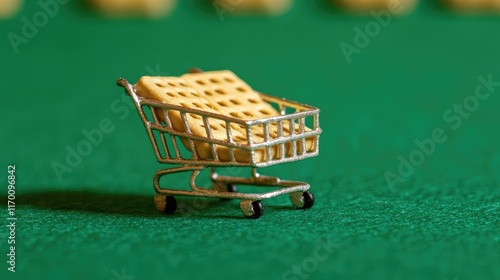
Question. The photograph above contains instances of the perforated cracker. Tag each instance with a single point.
(219, 92)
(270, 7)
(121, 8)
(230, 95)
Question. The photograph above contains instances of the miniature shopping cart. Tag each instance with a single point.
(287, 147)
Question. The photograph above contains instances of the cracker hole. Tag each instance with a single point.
(241, 138)
(235, 102)
(265, 112)
(229, 80)
(223, 125)
(249, 114)
(194, 93)
(198, 105)
(222, 103)
(184, 105)
(240, 89)
(209, 105)
(214, 127)
(215, 81)
(273, 134)
(220, 91)
(159, 85)
(235, 114)
(207, 92)
(253, 101)
(195, 116)
(172, 84)
(183, 84)
(200, 82)
(171, 94)
(182, 93)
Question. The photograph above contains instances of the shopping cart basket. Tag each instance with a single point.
(286, 147)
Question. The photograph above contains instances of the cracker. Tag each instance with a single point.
(9, 8)
(150, 8)
(270, 7)
(230, 95)
(394, 6)
(223, 93)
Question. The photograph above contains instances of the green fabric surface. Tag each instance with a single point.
(99, 222)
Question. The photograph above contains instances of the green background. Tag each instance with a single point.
(99, 220)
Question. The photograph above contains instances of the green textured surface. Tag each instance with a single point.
(443, 222)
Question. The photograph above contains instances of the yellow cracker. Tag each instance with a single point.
(230, 95)
(9, 7)
(271, 7)
(152, 8)
(394, 6)
(219, 92)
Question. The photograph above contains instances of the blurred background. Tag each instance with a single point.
(384, 78)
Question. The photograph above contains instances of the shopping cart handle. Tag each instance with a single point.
(122, 82)
(129, 89)
(126, 85)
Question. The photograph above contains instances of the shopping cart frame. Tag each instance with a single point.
(224, 187)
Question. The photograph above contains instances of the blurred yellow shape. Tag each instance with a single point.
(9, 8)
(125, 8)
(394, 6)
(270, 7)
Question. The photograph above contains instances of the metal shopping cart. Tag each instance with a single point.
(286, 147)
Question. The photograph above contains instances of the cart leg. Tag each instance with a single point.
(192, 182)
(164, 201)
(160, 173)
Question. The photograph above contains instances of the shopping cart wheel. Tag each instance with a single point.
(251, 209)
(165, 203)
(303, 200)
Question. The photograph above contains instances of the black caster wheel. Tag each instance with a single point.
(308, 200)
(251, 209)
(303, 200)
(165, 204)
